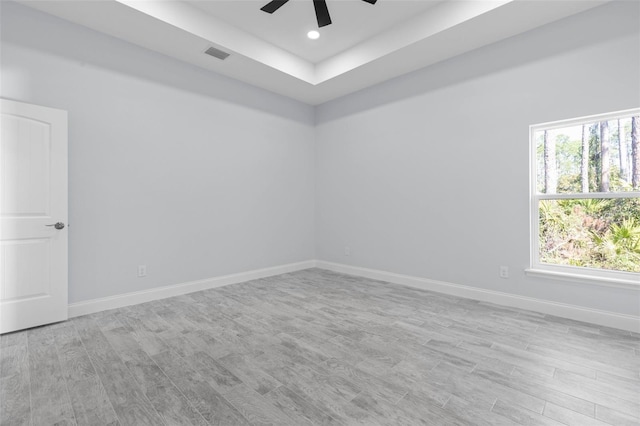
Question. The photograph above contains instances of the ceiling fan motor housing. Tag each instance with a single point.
(322, 11)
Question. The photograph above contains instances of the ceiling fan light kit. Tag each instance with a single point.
(322, 11)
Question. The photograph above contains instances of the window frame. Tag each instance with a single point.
(567, 272)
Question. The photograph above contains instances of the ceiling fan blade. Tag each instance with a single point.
(371, 1)
(322, 13)
(274, 5)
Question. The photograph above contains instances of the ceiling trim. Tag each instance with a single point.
(184, 32)
(187, 18)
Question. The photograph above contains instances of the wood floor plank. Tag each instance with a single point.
(74, 358)
(318, 347)
(11, 339)
(614, 417)
(255, 408)
(325, 346)
(584, 360)
(329, 395)
(148, 339)
(522, 416)
(600, 386)
(593, 391)
(321, 377)
(127, 398)
(207, 341)
(538, 386)
(13, 360)
(474, 414)
(571, 418)
(309, 351)
(588, 345)
(428, 411)
(514, 357)
(376, 385)
(396, 414)
(15, 401)
(49, 394)
(630, 385)
(413, 374)
(165, 397)
(90, 403)
(543, 360)
(214, 372)
(298, 408)
(250, 374)
(208, 401)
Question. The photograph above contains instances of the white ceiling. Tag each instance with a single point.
(365, 45)
(354, 21)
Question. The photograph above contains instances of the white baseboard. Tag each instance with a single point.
(136, 297)
(594, 316)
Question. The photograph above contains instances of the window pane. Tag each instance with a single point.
(591, 157)
(594, 233)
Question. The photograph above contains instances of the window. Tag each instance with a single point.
(585, 198)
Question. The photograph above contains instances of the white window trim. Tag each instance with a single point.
(608, 278)
(577, 275)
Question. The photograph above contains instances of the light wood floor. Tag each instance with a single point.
(316, 347)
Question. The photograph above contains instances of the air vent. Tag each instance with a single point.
(216, 53)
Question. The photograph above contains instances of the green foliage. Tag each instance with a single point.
(568, 159)
(595, 168)
(596, 233)
(626, 236)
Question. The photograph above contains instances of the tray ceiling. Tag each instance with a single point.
(365, 45)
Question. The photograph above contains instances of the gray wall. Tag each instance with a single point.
(428, 174)
(197, 175)
(193, 174)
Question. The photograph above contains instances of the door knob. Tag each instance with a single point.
(58, 225)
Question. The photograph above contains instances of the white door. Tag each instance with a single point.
(33, 199)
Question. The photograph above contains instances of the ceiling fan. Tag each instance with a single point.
(322, 12)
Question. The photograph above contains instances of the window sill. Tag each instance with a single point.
(585, 279)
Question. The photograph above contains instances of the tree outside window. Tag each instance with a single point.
(586, 195)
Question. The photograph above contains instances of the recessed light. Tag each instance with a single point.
(313, 35)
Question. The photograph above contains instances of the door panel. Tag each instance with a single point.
(25, 172)
(20, 278)
(33, 196)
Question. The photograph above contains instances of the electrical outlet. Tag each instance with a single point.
(504, 272)
(142, 271)
(347, 251)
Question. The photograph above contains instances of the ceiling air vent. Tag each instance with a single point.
(216, 53)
